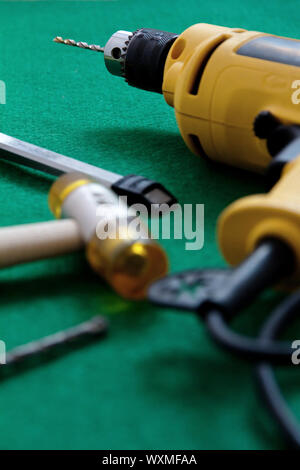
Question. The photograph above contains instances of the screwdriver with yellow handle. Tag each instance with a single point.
(128, 260)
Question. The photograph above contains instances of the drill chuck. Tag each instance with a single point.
(139, 57)
(115, 52)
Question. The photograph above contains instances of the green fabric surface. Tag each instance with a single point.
(156, 381)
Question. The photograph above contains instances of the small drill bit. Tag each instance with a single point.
(83, 45)
(56, 344)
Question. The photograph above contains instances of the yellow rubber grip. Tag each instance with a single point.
(275, 214)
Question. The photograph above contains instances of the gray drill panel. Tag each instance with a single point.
(272, 48)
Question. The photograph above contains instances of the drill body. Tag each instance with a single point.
(220, 79)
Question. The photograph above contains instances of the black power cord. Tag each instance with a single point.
(285, 313)
(253, 349)
(219, 295)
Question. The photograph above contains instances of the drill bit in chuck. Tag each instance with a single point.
(115, 50)
(83, 45)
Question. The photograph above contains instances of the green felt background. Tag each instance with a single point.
(157, 381)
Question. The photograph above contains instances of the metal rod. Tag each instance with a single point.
(50, 162)
(87, 331)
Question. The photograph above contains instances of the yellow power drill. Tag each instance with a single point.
(232, 93)
(218, 80)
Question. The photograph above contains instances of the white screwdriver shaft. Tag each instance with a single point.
(29, 242)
